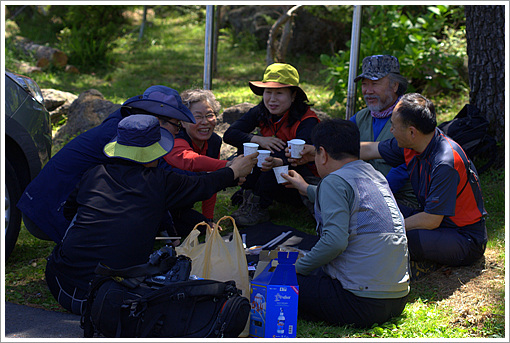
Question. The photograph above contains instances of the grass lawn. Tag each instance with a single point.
(466, 302)
(458, 302)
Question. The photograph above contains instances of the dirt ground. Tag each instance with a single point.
(473, 292)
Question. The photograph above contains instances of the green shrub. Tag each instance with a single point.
(90, 32)
(430, 46)
(35, 22)
(331, 13)
(193, 13)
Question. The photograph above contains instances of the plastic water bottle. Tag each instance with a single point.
(281, 323)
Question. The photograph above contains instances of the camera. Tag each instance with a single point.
(179, 271)
(164, 252)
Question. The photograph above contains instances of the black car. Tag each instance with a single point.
(27, 146)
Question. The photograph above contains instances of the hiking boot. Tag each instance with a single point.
(418, 269)
(251, 213)
(242, 207)
(239, 197)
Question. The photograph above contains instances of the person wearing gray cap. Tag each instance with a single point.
(382, 86)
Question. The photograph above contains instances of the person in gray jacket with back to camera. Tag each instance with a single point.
(357, 272)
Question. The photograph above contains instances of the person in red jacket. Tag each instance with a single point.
(283, 114)
(197, 149)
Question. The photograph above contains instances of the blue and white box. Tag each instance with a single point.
(274, 299)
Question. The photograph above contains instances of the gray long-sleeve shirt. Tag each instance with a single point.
(335, 232)
(367, 254)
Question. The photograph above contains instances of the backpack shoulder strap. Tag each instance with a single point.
(192, 289)
(146, 269)
(132, 277)
(86, 320)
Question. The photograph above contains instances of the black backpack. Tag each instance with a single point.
(469, 129)
(153, 301)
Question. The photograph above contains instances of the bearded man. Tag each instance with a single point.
(382, 86)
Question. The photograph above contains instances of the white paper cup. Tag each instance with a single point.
(281, 170)
(295, 147)
(262, 157)
(250, 148)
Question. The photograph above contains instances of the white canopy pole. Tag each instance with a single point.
(353, 63)
(209, 24)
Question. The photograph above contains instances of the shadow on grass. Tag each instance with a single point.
(443, 282)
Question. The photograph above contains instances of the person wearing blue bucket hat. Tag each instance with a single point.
(140, 139)
(41, 202)
(160, 101)
(117, 207)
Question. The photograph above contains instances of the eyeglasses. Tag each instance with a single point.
(208, 117)
(178, 125)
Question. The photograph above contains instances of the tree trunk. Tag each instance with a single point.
(284, 41)
(279, 52)
(485, 34)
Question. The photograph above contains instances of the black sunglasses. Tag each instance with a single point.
(178, 125)
(141, 111)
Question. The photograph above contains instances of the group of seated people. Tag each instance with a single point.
(414, 204)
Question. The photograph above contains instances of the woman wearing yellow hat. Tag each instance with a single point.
(283, 114)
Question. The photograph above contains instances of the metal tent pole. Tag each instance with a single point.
(353, 62)
(209, 25)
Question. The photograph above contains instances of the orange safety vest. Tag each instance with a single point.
(281, 128)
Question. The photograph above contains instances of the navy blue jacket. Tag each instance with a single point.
(44, 198)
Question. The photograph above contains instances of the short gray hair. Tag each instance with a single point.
(191, 96)
(402, 82)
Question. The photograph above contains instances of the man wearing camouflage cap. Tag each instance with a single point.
(382, 87)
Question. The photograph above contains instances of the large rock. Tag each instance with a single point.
(322, 115)
(25, 68)
(312, 34)
(57, 103)
(86, 112)
(253, 20)
(226, 150)
(230, 115)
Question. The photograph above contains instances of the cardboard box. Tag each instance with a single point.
(274, 299)
(265, 257)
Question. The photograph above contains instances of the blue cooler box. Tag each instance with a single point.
(274, 299)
